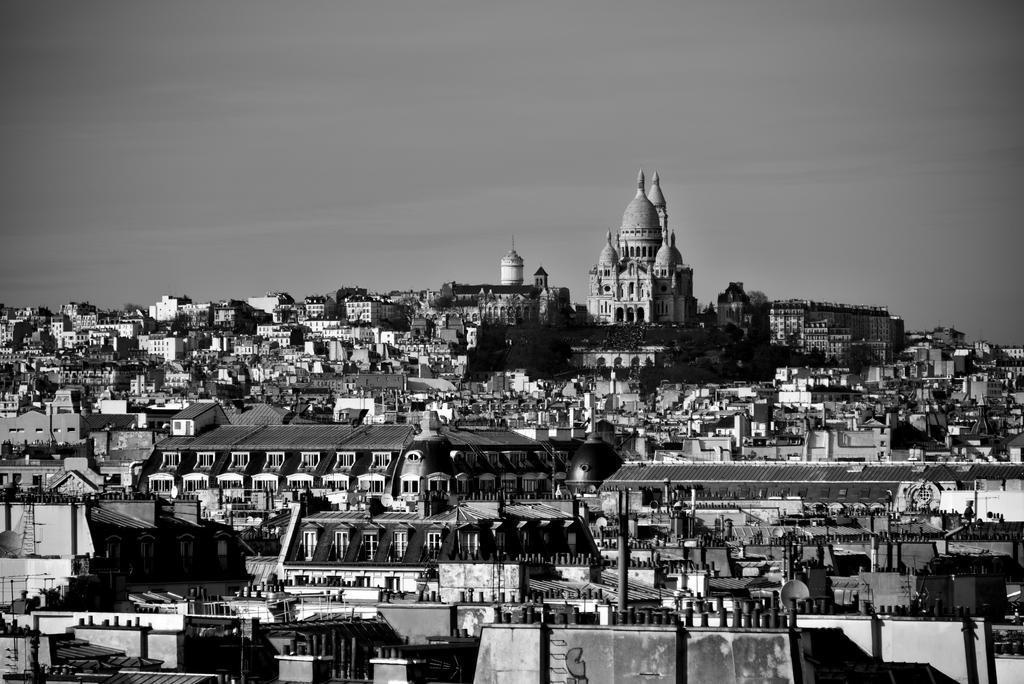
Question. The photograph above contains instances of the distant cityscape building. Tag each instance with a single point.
(832, 329)
(167, 308)
(734, 306)
(510, 302)
(641, 276)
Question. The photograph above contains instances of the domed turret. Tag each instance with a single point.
(640, 214)
(675, 252)
(428, 456)
(592, 464)
(609, 257)
(512, 268)
(665, 258)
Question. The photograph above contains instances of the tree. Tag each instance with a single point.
(859, 357)
(757, 298)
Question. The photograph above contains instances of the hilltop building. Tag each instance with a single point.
(641, 276)
(512, 301)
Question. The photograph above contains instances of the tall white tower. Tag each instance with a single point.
(512, 267)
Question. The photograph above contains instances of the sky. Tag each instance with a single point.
(867, 152)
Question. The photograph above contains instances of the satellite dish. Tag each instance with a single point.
(174, 492)
(655, 507)
(794, 589)
(387, 500)
(779, 532)
(601, 522)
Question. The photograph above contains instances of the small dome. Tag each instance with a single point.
(675, 252)
(593, 462)
(512, 259)
(665, 258)
(609, 257)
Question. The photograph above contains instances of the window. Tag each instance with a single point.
(222, 553)
(340, 544)
(205, 459)
(374, 486)
(469, 541)
(160, 484)
(381, 459)
(185, 550)
(370, 540)
(346, 459)
(194, 484)
(499, 540)
(267, 484)
(171, 459)
(410, 486)
(114, 551)
(400, 544)
(309, 539)
(147, 550)
(240, 459)
(433, 543)
(516, 457)
(310, 459)
(275, 459)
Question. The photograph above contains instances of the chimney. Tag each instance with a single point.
(623, 548)
(304, 669)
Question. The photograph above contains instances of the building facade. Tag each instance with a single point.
(832, 328)
(641, 276)
(512, 302)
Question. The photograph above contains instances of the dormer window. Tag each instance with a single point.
(346, 459)
(171, 459)
(413, 456)
(275, 459)
(205, 459)
(309, 541)
(516, 458)
(381, 459)
(310, 459)
(240, 459)
(370, 543)
(340, 544)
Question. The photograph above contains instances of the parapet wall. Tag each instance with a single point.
(594, 654)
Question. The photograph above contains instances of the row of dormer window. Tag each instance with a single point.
(275, 459)
(345, 459)
(369, 542)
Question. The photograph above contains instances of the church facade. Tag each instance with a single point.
(512, 302)
(640, 276)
